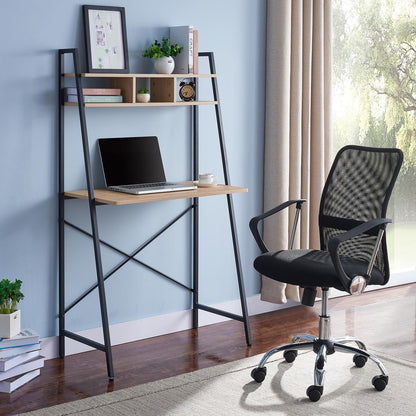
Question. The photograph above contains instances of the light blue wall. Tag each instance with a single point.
(31, 33)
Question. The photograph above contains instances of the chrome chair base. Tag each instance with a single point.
(323, 346)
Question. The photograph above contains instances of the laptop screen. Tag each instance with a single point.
(131, 160)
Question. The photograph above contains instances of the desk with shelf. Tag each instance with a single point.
(163, 93)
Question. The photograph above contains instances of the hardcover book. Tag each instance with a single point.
(31, 365)
(11, 384)
(95, 98)
(183, 36)
(25, 337)
(11, 352)
(93, 91)
(195, 51)
(10, 362)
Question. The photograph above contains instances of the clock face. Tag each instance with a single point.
(187, 92)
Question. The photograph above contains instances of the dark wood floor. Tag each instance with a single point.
(384, 319)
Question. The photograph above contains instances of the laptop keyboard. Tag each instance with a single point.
(145, 185)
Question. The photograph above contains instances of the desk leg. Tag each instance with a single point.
(195, 217)
(230, 200)
(61, 212)
(195, 270)
(101, 291)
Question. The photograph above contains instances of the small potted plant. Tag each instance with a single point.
(10, 295)
(163, 54)
(143, 96)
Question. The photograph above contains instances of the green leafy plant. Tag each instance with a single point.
(157, 50)
(10, 295)
(144, 91)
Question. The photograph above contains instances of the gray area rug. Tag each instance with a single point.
(228, 389)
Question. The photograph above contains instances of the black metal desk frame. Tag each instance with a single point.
(193, 207)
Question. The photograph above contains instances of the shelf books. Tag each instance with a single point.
(94, 95)
(20, 360)
(95, 99)
(12, 351)
(93, 91)
(186, 37)
(25, 337)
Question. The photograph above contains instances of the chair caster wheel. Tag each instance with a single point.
(290, 355)
(359, 360)
(314, 393)
(259, 374)
(380, 382)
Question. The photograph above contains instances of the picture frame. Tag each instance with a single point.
(106, 39)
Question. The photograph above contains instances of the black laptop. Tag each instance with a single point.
(134, 165)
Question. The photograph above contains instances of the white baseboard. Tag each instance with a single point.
(157, 325)
(182, 320)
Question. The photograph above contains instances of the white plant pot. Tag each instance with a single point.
(9, 324)
(164, 65)
(143, 98)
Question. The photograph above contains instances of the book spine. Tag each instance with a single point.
(95, 98)
(8, 386)
(93, 91)
(22, 368)
(191, 50)
(19, 344)
(195, 50)
(11, 362)
(12, 351)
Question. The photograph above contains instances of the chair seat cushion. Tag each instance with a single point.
(311, 268)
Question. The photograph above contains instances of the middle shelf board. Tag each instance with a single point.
(104, 196)
(107, 75)
(149, 104)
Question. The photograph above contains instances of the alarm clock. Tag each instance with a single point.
(187, 90)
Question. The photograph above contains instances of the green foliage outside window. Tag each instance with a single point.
(374, 83)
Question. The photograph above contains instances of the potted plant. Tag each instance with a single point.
(10, 295)
(163, 54)
(143, 96)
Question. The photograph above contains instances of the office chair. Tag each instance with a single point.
(353, 254)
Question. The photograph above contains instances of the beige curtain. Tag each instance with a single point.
(298, 124)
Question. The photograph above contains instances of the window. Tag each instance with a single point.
(374, 103)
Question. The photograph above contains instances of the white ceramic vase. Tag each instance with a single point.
(143, 98)
(9, 324)
(164, 65)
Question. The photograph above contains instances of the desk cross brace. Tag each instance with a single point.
(97, 242)
(129, 257)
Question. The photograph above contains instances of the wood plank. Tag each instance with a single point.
(105, 196)
(99, 75)
(127, 86)
(151, 104)
(163, 90)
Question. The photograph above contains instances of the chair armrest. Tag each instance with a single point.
(334, 242)
(255, 220)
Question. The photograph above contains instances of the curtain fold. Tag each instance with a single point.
(297, 124)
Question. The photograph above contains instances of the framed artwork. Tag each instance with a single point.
(106, 39)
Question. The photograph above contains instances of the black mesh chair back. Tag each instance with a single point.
(358, 189)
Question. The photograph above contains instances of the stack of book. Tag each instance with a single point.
(186, 37)
(94, 95)
(20, 360)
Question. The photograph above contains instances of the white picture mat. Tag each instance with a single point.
(107, 49)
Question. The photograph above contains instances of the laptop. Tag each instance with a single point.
(134, 165)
